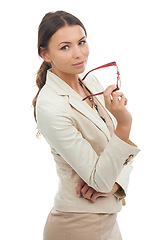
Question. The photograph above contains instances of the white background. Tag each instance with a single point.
(123, 31)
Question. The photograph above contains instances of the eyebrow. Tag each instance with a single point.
(70, 42)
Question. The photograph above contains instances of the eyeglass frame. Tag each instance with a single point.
(118, 85)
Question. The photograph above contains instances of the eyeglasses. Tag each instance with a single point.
(118, 84)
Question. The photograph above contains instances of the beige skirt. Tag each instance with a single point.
(81, 226)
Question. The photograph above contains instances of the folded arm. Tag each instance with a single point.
(89, 193)
(119, 189)
(98, 172)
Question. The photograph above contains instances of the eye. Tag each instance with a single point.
(82, 42)
(65, 47)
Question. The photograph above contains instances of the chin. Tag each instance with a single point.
(80, 70)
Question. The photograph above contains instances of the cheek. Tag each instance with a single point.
(61, 59)
(86, 51)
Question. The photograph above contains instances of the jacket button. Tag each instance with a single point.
(128, 159)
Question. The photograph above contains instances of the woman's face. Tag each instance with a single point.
(68, 50)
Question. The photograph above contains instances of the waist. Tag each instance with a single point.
(66, 200)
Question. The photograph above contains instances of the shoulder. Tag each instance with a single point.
(50, 104)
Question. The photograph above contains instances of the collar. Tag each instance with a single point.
(75, 100)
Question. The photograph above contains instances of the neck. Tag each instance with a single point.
(70, 79)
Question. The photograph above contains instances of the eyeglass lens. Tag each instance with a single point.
(103, 66)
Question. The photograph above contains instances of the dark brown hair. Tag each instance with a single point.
(50, 23)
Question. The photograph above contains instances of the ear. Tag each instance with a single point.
(44, 54)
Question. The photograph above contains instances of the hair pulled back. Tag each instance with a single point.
(50, 23)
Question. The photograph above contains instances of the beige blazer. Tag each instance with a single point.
(82, 146)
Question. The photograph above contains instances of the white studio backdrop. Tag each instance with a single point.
(123, 31)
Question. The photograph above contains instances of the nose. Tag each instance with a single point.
(77, 52)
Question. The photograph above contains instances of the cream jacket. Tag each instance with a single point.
(82, 146)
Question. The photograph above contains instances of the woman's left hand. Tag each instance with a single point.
(91, 194)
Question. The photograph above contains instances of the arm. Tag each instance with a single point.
(119, 189)
(99, 172)
(123, 181)
(89, 193)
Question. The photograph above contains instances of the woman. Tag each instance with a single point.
(93, 157)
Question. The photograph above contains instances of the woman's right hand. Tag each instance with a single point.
(91, 194)
(116, 103)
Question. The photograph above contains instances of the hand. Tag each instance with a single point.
(116, 103)
(91, 194)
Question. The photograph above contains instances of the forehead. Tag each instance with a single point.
(68, 34)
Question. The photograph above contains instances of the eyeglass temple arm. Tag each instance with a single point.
(96, 94)
(105, 65)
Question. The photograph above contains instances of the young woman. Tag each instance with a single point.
(89, 139)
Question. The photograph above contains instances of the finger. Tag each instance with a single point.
(124, 100)
(117, 95)
(79, 187)
(95, 197)
(107, 93)
(84, 189)
(89, 193)
(109, 90)
(116, 98)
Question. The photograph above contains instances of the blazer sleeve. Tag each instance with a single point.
(123, 181)
(99, 172)
(123, 178)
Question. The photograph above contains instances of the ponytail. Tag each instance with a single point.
(40, 81)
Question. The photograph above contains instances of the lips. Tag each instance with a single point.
(79, 64)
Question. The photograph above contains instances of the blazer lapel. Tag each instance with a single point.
(88, 112)
(101, 102)
(75, 100)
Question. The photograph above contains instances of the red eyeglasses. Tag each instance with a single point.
(118, 84)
